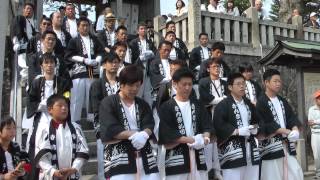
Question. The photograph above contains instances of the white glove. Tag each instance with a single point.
(139, 139)
(43, 106)
(98, 59)
(165, 80)
(23, 46)
(90, 62)
(197, 68)
(244, 131)
(293, 135)
(198, 142)
(216, 100)
(253, 129)
(316, 121)
(146, 55)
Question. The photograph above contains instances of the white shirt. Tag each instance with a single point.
(73, 27)
(9, 161)
(243, 112)
(218, 9)
(250, 91)
(100, 23)
(276, 104)
(29, 24)
(185, 109)
(314, 114)
(112, 37)
(131, 116)
(127, 58)
(64, 146)
(48, 89)
(166, 68)
(173, 54)
(216, 88)
(182, 11)
(205, 52)
(86, 41)
(143, 45)
(235, 12)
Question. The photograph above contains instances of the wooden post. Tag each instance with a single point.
(194, 22)
(4, 11)
(255, 33)
(157, 22)
(301, 146)
(156, 7)
(297, 20)
(39, 12)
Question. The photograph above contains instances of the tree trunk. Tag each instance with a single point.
(287, 7)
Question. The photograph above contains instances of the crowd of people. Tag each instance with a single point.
(159, 112)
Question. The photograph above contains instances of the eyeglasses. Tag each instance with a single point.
(239, 84)
(46, 24)
(215, 66)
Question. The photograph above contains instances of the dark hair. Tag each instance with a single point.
(8, 120)
(232, 77)
(141, 24)
(28, 4)
(62, 8)
(109, 57)
(70, 4)
(245, 67)
(83, 13)
(182, 73)
(81, 19)
(121, 28)
(218, 45)
(131, 74)
(118, 44)
(168, 23)
(183, 4)
(46, 32)
(179, 62)
(267, 75)
(169, 32)
(212, 61)
(164, 42)
(230, 1)
(45, 18)
(54, 98)
(203, 34)
(47, 56)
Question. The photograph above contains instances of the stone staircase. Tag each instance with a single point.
(90, 169)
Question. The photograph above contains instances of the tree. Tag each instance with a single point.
(274, 13)
(287, 7)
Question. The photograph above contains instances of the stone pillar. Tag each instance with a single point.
(157, 22)
(297, 20)
(39, 11)
(119, 8)
(4, 15)
(156, 6)
(194, 23)
(252, 13)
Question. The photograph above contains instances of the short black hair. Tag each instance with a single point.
(267, 75)
(130, 75)
(179, 62)
(203, 34)
(234, 76)
(245, 67)
(83, 13)
(182, 73)
(121, 28)
(218, 45)
(141, 24)
(47, 56)
(169, 32)
(62, 8)
(28, 4)
(118, 44)
(81, 19)
(164, 42)
(109, 57)
(46, 32)
(54, 98)
(45, 18)
(213, 60)
(5, 121)
(168, 23)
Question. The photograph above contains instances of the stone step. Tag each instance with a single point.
(89, 177)
(92, 149)
(90, 135)
(86, 125)
(91, 167)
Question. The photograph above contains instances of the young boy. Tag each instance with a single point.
(12, 160)
(235, 121)
(185, 129)
(62, 149)
(280, 125)
(253, 89)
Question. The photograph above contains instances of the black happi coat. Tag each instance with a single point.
(113, 121)
(156, 72)
(75, 48)
(226, 119)
(257, 89)
(34, 46)
(65, 38)
(99, 89)
(19, 27)
(17, 157)
(272, 148)
(206, 89)
(136, 48)
(35, 67)
(182, 46)
(197, 56)
(171, 128)
(102, 37)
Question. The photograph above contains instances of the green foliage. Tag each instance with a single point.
(274, 13)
